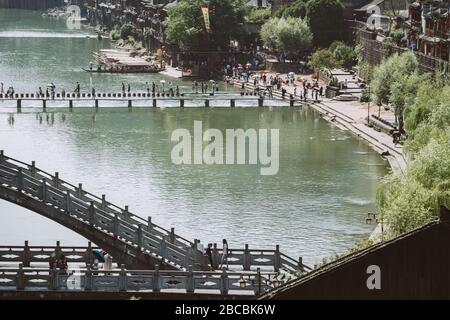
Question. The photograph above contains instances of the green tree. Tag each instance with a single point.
(323, 58)
(326, 20)
(413, 199)
(345, 54)
(185, 25)
(259, 14)
(126, 31)
(404, 90)
(390, 71)
(296, 10)
(286, 35)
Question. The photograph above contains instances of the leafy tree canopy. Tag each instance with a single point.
(323, 58)
(185, 24)
(326, 20)
(286, 35)
(297, 10)
(390, 71)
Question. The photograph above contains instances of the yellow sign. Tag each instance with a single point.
(205, 11)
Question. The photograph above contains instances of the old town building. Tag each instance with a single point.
(428, 28)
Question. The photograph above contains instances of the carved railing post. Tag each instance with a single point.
(277, 259)
(122, 279)
(80, 190)
(258, 282)
(89, 255)
(89, 279)
(163, 248)
(116, 225)
(188, 256)
(300, 264)
(91, 213)
(19, 179)
(190, 282)
(224, 281)
(246, 258)
(172, 235)
(140, 237)
(68, 201)
(33, 168)
(20, 280)
(44, 190)
(126, 212)
(103, 202)
(156, 281)
(56, 180)
(149, 224)
(58, 249)
(26, 259)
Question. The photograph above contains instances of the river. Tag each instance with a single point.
(314, 207)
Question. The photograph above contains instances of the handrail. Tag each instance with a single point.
(245, 258)
(120, 280)
(109, 218)
(86, 193)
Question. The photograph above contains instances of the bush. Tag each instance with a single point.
(365, 96)
(346, 55)
(323, 58)
(259, 14)
(408, 201)
(115, 34)
(286, 35)
(126, 31)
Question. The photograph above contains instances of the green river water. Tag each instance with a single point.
(314, 207)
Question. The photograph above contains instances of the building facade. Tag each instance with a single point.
(428, 28)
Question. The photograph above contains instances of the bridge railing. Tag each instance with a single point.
(40, 254)
(119, 225)
(127, 96)
(78, 192)
(243, 259)
(75, 203)
(118, 280)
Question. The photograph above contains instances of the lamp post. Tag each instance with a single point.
(368, 107)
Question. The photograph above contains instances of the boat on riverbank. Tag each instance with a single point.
(123, 61)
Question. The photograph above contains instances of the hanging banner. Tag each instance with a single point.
(205, 11)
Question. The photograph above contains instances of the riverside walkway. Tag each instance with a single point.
(133, 241)
(352, 116)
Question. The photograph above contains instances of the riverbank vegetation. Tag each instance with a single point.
(337, 55)
(325, 18)
(409, 200)
(185, 25)
(286, 35)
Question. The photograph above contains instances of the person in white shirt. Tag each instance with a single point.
(224, 254)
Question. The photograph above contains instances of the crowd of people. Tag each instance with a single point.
(265, 83)
(60, 263)
(209, 253)
(203, 85)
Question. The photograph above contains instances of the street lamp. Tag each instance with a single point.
(368, 107)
